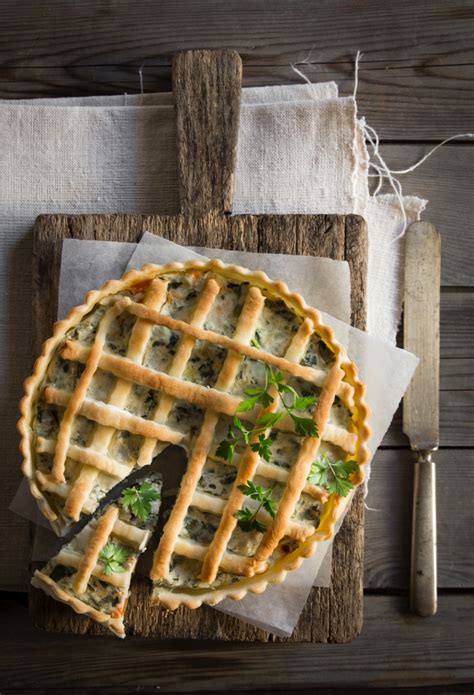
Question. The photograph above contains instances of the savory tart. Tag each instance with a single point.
(234, 368)
(92, 573)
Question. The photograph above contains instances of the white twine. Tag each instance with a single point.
(371, 136)
(384, 171)
(382, 168)
(432, 151)
(140, 75)
(300, 73)
(356, 73)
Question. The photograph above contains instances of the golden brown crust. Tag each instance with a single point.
(243, 333)
(200, 396)
(86, 456)
(108, 416)
(98, 540)
(247, 469)
(286, 364)
(351, 392)
(48, 585)
(300, 471)
(154, 297)
(78, 395)
(189, 481)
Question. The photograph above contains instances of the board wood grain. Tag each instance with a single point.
(431, 31)
(396, 649)
(207, 88)
(387, 522)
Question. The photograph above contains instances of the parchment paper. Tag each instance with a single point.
(325, 284)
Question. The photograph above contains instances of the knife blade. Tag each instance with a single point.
(421, 404)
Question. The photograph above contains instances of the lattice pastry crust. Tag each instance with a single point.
(80, 576)
(161, 357)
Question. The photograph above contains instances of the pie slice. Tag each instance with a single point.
(234, 368)
(92, 573)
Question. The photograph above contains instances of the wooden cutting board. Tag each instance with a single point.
(207, 86)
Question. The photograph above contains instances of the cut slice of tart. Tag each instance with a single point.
(232, 367)
(92, 573)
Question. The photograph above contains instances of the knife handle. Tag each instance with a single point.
(423, 581)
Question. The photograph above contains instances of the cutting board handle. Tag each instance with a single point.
(206, 86)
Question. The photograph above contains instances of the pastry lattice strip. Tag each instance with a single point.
(216, 554)
(247, 470)
(93, 458)
(178, 365)
(204, 397)
(88, 565)
(244, 332)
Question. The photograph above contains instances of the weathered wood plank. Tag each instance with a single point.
(446, 181)
(387, 554)
(457, 374)
(96, 32)
(402, 103)
(206, 88)
(463, 689)
(394, 649)
(456, 416)
(457, 326)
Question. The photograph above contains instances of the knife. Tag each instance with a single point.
(421, 404)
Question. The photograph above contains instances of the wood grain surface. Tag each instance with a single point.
(206, 85)
(415, 87)
(387, 548)
(432, 31)
(395, 649)
(415, 80)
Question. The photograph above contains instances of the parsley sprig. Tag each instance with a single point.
(114, 558)
(138, 500)
(260, 396)
(247, 518)
(333, 476)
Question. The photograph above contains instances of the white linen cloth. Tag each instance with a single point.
(118, 154)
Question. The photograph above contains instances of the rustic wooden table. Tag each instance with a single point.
(415, 88)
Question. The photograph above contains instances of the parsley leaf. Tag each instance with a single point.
(275, 378)
(262, 447)
(239, 425)
(226, 449)
(304, 426)
(248, 521)
(138, 500)
(268, 420)
(255, 492)
(247, 518)
(256, 396)
(114, 558)
(333, 476)
(304, 402)
(269, 505)
(259, 395)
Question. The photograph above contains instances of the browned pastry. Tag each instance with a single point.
(166, 355)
